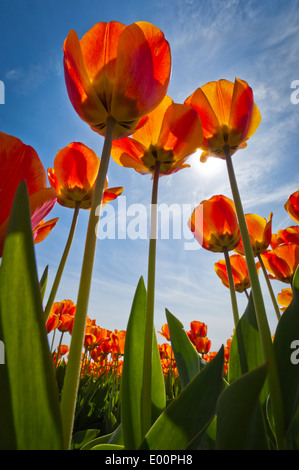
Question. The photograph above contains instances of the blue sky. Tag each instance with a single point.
(212, 39)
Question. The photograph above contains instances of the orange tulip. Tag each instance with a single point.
(202, 344)
(239, 271)
(172, 133)
(260, 233)
(42, 230)
(165, 332)
(284, 298)
(287, 235)
(214, 224)
(197, 328)
(282, 262)
(19, 162)
(292, 206)
(62, 315)
(228, 115)
(116, 71)
(74, 176)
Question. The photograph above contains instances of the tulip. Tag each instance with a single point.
(260, 233)
(282, 262)
(292, 206)
(171, 134)
(286, 235)
(20, 162)
(74, 176)
(239, 271)
(116, 71)
(285, 297)
(214, 224)
(228, 114)
(165, 332)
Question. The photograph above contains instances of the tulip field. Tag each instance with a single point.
(67, 383)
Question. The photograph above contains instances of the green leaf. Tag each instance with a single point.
(286, 349)
(107, 447)
(132, 375)
(240, 424)
(30, 412)
(82, 438)
(43, 282)
(191, 412)
(112, 438)
(246, 351)
(186, 356)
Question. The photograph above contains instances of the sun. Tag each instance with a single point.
(212, 167)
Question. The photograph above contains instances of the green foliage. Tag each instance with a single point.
(30, 414)
(133, 370)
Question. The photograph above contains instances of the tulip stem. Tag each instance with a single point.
(231, 286)
(72, 376)
(62, 262)
(149, 322)
(264, 330)
(276, 308)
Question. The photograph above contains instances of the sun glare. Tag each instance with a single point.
(211, 167)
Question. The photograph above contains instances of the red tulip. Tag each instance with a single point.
(228, 115)
(116, 71)
(20, 162)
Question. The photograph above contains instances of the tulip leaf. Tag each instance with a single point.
(286, 349)
(112, 438)
(43, 281)
(30, 412)
(191, 412)
(240, 423)
(133, 370)
(246, 351)
(186, 356)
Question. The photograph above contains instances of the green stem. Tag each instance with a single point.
(231, 287)
(62, 262)
(149, 323)
(276, 308)
(72, 376)
(58, 349)
(264, 330)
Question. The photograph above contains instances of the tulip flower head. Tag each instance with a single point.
(116, 71)
(214, 224)
(74, 176)
(292, 206)
(239, 271)
(171, 134)
(20, 162)
(228, 115)
(260, 233)
(282, 262)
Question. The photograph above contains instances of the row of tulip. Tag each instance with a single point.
(117, 78)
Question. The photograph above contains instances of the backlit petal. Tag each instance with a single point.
(143, 68)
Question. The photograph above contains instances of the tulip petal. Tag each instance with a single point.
(76, 166)
(18, 162)
(241, 108)
(142, 71)
(99, 52)
(43, 229)
(80, 90)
